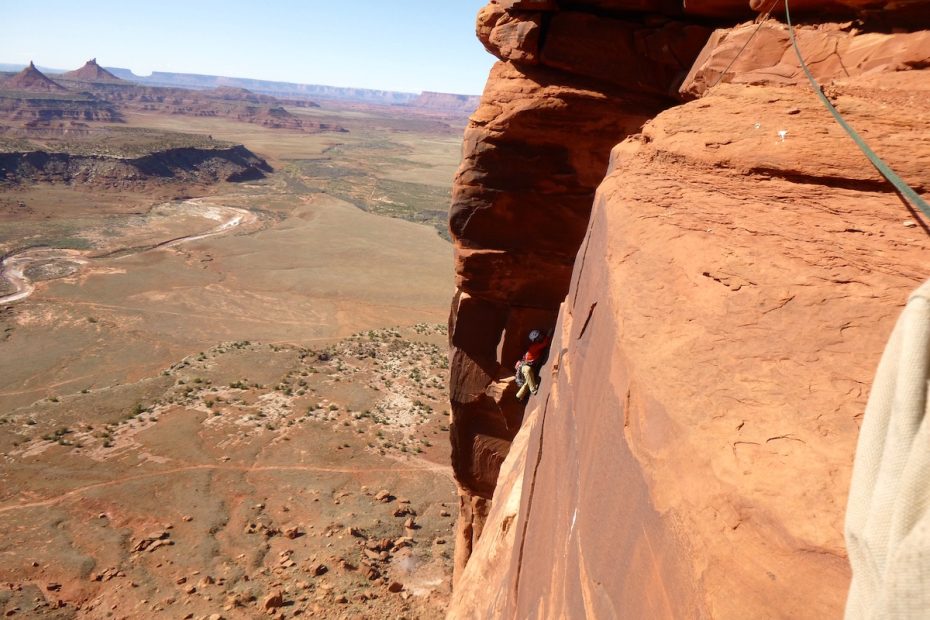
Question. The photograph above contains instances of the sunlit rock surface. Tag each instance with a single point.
(689, 452)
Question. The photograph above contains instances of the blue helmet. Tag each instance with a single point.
(536, 335)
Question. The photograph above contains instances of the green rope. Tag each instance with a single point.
(880, 165)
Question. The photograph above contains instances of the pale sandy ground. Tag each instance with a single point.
(325, 271)
(252, 462)
(118, 417)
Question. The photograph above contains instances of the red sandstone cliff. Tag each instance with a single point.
(721, 313)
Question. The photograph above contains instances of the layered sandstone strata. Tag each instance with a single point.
(31, 79)
(689, 453)
(189, 164)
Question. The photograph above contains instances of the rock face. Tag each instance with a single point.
(94, 94)
(225, 102)
(721, 314)
(275, 117)
(91, 72)
(32, 80)
(535, 150)
(768, 58)
(38, 111)
(189, 165)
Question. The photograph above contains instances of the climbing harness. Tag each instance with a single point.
(880, 165)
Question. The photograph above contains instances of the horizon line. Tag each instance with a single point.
(56, 70)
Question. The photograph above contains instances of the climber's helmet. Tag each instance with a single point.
(536, 335)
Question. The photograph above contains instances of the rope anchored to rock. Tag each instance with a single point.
(905, 190)
(764, 16)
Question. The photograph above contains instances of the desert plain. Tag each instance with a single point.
(227, 399)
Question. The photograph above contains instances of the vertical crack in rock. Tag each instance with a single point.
(530, 496)
(534, 152)
(749, 183)
(626, 413)
(586, 321)
(584, 256)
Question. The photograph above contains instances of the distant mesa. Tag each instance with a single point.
(274, 117)
(232, 91)
(298, 95)
(446, 102)
(91, 72)
(32, 79)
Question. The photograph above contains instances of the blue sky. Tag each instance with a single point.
(407, 45)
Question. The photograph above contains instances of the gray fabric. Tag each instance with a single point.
(888, 514)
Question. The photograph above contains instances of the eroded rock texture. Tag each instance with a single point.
(534, 152)
(689, 452)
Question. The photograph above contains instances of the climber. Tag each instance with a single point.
(528, 366)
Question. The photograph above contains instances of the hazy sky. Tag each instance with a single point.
(407, 45)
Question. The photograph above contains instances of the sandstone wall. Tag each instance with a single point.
(689, 453)
(534, 152)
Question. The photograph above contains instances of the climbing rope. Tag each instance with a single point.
(880, 165)
(764, 16)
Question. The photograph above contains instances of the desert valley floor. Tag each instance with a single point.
(218, 400)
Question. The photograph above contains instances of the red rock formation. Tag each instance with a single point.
(102, 170)
(768, 58)
(51, 111)
(689, 452)
(31, 100)
(91, 72)
(239, 104)
(275, 117)
(737, 9)
(33, 80)
(229, 93)
(535, 149)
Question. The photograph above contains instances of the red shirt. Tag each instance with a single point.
(535, 351)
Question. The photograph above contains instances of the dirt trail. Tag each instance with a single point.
(239, 450)
(13, 268)
(425, 466)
